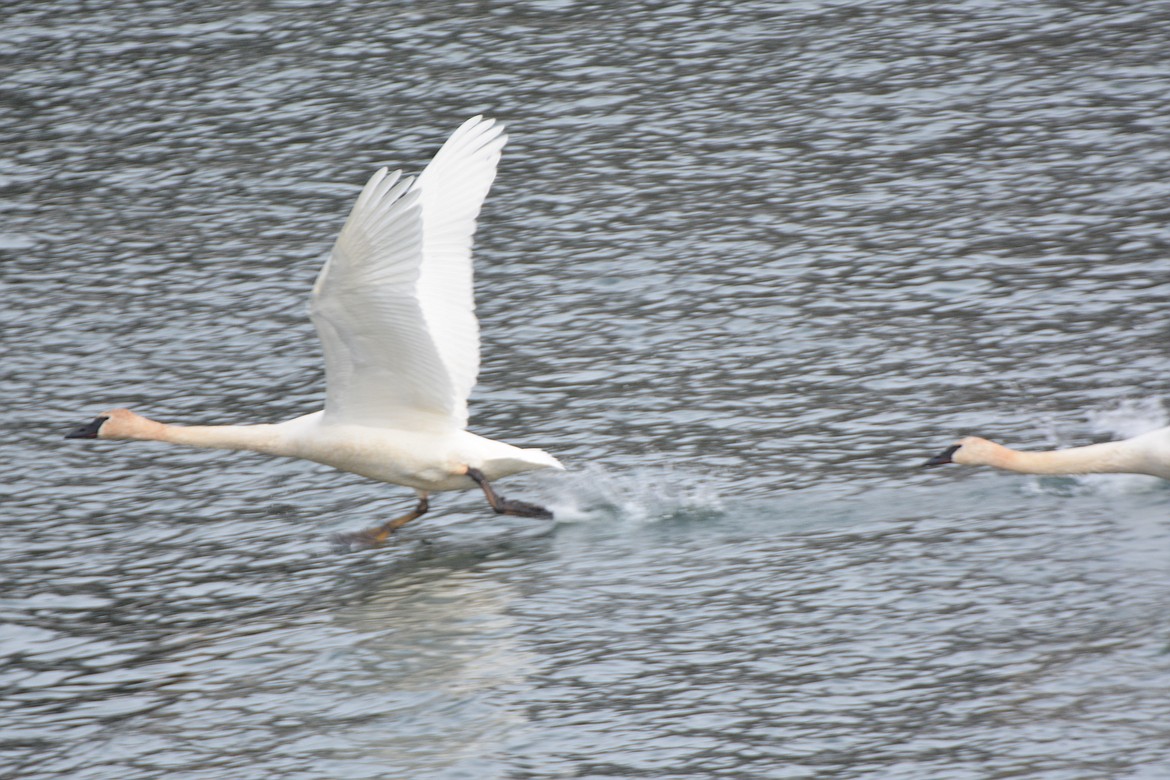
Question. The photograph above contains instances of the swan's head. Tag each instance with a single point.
(114, 424)
(968, 451)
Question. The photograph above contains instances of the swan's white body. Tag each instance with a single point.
(1148, 453)
(426, 460)
(395, 311)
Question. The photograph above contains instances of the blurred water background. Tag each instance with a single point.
(745, 266)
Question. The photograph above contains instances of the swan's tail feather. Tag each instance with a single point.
(543, 459)
(518, 461)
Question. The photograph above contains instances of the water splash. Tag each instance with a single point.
(643, 494)
(1131, 417)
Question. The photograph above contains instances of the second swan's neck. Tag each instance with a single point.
(1109, 457)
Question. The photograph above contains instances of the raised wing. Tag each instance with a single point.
(394, 305)
(453, 187)
(381, 365)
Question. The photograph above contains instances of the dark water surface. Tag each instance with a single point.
(744, 267)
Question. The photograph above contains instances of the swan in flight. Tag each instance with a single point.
(1145, 454)
(394, 308)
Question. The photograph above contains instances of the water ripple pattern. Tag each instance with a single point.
(744, 267)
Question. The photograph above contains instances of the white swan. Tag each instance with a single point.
(394, 309)
(1145, 454)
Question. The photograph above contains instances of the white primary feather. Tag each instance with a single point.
(454, 186)
(394, 305)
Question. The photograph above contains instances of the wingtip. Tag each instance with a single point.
(482, 126)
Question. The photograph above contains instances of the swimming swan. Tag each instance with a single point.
(394, 309)
(1145, 454)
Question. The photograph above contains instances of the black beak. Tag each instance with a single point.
(943, 457)
(89, 430)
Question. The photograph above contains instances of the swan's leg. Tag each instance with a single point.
(507, 506)
(380, 533)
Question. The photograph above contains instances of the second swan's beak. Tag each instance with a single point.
(943, 457)
(89, 430)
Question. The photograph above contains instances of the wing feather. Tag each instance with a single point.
(381, 365)
(453, 187)
(394, 305)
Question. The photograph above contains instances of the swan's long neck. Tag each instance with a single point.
(1108, 457)
(257, 438)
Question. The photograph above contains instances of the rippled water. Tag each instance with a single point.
(745, 266)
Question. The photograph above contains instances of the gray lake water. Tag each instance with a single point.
(744, 267)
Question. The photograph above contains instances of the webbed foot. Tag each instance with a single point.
(507, 506)
(377, 536)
